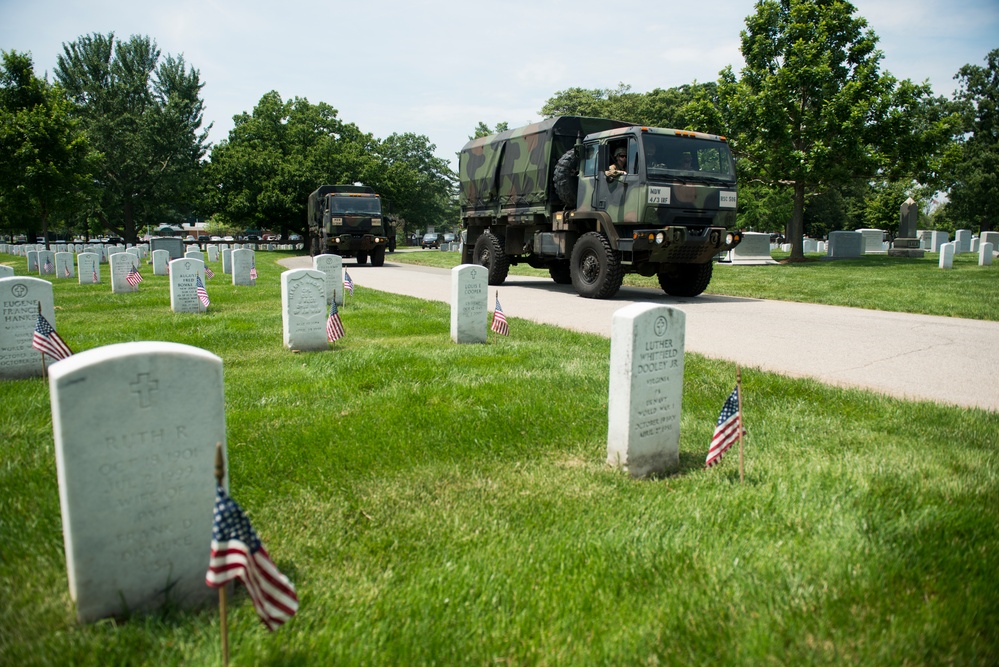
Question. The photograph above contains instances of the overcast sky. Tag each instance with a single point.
(439, 67)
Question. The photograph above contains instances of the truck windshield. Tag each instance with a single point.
(687, 158)
(340, 205)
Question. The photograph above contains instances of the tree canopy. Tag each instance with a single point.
(143, 114)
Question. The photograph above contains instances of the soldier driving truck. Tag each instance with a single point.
(540, 195)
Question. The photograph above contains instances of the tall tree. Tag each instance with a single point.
(262, 174)
(975, 167)
(419, 185)
(44, 159)
(144, 115)
(812, 110)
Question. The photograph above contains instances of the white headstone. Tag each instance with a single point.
(46, 263)
(32, 257)
(873, 241)
(754, 249)
(243, 261)
(161, 260)
(194, 253)
(937, 239)
(184, 274)
(989, 237)
(226, 260)
(121, 264)
(332, 266)
(6, 271)
(89, 267)
(962, 241)
(19, 299)
(985, 254)
(646, 388)
(137, 491)
(213, 253)
(947, 256)
(469, 309)
(845, 244)
(64, 265)
(303, 309)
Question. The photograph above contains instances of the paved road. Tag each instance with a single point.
(920, 357)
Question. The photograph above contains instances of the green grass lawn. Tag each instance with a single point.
(877, 282)
(438, 504)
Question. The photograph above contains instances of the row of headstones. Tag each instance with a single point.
(142, 249)
(137, 493)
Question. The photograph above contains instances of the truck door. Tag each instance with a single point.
(611, 194)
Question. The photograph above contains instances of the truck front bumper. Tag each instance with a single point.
(683, 245)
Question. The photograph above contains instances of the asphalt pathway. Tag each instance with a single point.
(915, 357)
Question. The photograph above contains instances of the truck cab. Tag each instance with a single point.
(347, 220)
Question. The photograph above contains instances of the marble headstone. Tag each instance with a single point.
(184, 274)
(469, 309)
(137, 491)
(332, 266)
(304, 310)
(161, 260)
(646, 389)
(88, 266)
(121, 264)
(843, 244)
(243, 261)
(64, 266)
(20, 297)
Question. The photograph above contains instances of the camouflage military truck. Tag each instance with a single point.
(544, 195)
(347, 220)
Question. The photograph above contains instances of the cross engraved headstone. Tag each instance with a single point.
(20, 297)
(137, 492)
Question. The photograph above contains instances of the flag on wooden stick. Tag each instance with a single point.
(500, 325)
(728, 430)
(238, 554)
(134, 277)
(348, 284)
(47, 341)
(334, 325)
(199, 287)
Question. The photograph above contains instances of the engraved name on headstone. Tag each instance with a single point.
(184, 286)
(304, 309)
(469, 309)
(89, 263)
(243, 260)
(332, 266)
(19, 299)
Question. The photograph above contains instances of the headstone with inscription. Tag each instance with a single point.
(6, 271)
(121, 265)
(332, 266)
(32, 257)
(469, 297)
(243, 262)
(184, 274)
(646, 389)
(754, 249)
(88, 266)
(46, 263)
(19, 300)
(873, 241)
(303, 309)
(908, 243)
(137, 492)
(64, 265)
(161, 262)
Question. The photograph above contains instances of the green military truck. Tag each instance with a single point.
(347, 220)
(546, 195)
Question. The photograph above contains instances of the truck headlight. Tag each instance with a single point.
(729, 238)
(660, 237)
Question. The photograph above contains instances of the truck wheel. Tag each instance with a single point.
(560, 272)
(362, 258)
(566, 178)
(378, 256)
(685, 279)
(489, 253)
(596, 271)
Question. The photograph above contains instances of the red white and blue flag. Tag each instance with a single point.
(500, 325)
(253, 270)
(334, 326)
(202, 292)
(728, 429)
(239, 555)
(348, 284)
(96, 279)
(47, 266)
(134, 277)
(209, 274)
(47, 341)
(65, 270)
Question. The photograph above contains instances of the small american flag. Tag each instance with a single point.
(134, 277)
(209, 274)
(65, 270)
(727, 431)
(47, 266)
(47, 341)
(96, 279)
(238, 554)
(500, 325)
(253, 271)
(334, 327)
(348, 284)
(202, 292)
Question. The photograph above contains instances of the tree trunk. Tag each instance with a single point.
(129, 224)
(796, 228)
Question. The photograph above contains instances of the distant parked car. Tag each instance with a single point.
(430, 241)
(448, 238)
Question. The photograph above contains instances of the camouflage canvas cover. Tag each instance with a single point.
(513, 169)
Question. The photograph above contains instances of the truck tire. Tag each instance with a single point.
(685, 279)
(561, 272)
(362, 257)
(489, 253)
(596, 271)
(566, 178)
(378, 256)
